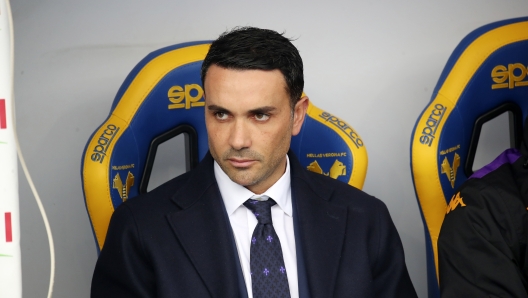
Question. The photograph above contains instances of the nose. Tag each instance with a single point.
(240, 135)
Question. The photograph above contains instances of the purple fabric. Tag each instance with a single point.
(509, 156)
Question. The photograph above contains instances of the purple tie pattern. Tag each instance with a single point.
(268, 273)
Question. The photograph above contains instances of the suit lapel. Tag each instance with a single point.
(319, 232)
(203, 229)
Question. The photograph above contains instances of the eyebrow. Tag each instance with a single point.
(215, 108)
(263, 110)
(260, 110)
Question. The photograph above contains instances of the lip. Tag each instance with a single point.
(241, 163)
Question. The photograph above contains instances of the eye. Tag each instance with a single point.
(221, 115)
(261, 117)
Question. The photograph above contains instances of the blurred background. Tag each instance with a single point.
(372, 63)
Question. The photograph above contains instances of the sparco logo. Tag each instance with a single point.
(429, 131)
(344, 127)
(186, 97)
(511, 77)
(99, 152)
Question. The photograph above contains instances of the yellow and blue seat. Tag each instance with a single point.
(485, 76)
(161, 98)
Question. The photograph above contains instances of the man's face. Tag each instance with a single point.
(250, 123)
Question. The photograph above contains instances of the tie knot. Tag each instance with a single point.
(261, 210)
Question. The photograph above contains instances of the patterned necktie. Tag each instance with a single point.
(268, 273)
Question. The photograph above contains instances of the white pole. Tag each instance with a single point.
(10, 267)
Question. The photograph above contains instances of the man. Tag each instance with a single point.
(250, 221)
(482, 248)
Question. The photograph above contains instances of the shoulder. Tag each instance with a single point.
(180, 190)
(498, 182)
(163, 199)
(162, 192)
(497, 190)
(487, 205)
(342, 194)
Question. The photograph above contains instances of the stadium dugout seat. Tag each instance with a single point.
(161, 98)
(485, 76)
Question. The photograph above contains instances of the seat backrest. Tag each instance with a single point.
(485, 76)
(161, 98)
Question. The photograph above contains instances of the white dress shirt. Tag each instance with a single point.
(243, 222)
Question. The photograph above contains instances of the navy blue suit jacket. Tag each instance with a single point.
(176, 241)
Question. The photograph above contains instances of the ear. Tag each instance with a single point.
(299, 112)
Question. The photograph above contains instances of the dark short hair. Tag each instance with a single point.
(245, 48)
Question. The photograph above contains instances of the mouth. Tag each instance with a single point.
(241, 162)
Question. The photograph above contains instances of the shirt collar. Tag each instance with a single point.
(234, 195)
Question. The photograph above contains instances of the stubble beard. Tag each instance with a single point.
(253, 175)
(243, 176)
